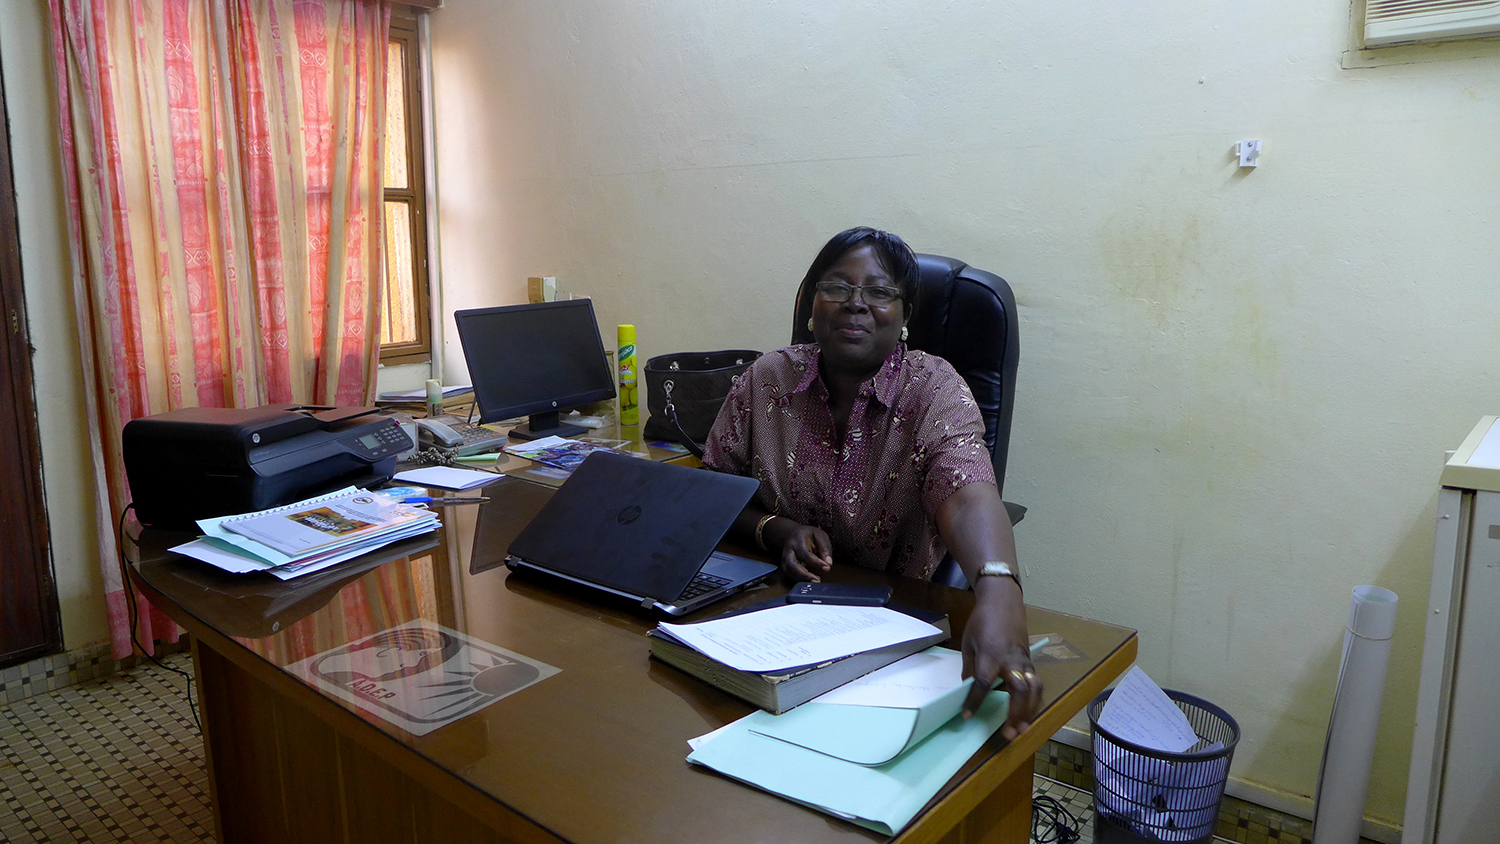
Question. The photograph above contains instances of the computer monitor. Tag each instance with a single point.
(536, 360)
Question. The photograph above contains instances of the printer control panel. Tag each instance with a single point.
(386, 440)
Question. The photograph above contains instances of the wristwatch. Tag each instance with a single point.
(999, 569)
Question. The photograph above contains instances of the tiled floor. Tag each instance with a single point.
(119, 759)
(112, 759)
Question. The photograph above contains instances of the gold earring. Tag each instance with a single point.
(903, 334)
(809, 323)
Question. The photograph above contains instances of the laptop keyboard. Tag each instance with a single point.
(700, 584)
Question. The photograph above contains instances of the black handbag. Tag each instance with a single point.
(685, 390)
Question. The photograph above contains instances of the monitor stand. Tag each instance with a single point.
(547, 424)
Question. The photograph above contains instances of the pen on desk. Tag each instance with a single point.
(427, 499)
(480, 458)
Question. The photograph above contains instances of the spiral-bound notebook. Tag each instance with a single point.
(237, 552)
(326, 522)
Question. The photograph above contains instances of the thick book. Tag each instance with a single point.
(778, 691)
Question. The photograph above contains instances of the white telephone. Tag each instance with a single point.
(458, 436)
(431, 432)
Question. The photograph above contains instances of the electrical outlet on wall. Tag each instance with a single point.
(1249, 152)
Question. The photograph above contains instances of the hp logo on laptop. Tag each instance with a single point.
(629, 514)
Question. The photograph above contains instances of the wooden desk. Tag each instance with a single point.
(592, 754)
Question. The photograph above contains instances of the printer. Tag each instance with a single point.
(201, 462)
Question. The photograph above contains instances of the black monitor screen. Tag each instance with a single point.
(535, 359)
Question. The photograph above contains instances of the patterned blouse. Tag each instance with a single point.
(914, 437)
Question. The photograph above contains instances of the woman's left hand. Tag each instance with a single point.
(995, 648)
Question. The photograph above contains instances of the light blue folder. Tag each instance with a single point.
(905, 766)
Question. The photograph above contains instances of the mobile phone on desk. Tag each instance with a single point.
(840, 594)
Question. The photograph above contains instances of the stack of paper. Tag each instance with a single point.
(798, 634)
(307, 536)
(446, 477)
(420, 394)
(782, 688)
(872, 752)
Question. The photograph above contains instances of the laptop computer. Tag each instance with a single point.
(641, 530)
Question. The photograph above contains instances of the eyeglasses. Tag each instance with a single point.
(838, 292)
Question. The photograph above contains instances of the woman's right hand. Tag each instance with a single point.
(806, 551)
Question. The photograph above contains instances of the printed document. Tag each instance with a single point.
(798, 634)
(446, 477)
(912, 682)
(559, 452)
(1139, 712)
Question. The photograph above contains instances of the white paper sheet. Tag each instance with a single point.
(242, 563)
(201, 549)
(446, 477)
(1139, 712)
(912, 682)
(544, 442)
(707, 737)
(798, 634)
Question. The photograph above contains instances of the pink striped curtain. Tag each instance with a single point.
(222, 166)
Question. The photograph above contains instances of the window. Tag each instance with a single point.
(405, 328)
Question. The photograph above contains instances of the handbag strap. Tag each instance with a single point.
(701, 361)
(682, 436)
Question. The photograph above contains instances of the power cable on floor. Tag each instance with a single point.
(1051, 822)
(130, 601)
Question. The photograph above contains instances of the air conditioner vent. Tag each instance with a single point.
(1402, 21)
(1384, 9)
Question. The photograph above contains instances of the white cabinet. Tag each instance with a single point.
(1453, 793)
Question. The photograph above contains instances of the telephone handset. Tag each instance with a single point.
(431, 432)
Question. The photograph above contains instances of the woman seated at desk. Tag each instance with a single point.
(873, 454)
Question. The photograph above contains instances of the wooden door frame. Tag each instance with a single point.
(28, 590)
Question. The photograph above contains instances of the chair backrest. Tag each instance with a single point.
(967, 317)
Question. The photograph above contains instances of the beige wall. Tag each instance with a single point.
(66, 463)
(1235, 387)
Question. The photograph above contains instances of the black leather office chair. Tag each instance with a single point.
(967, 317)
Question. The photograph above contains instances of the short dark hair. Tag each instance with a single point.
(894, 255)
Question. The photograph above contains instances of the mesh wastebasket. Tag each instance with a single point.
(1145, 795)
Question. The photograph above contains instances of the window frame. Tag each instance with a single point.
(404, 30)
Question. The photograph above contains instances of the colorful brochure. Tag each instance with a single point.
(559, 452)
